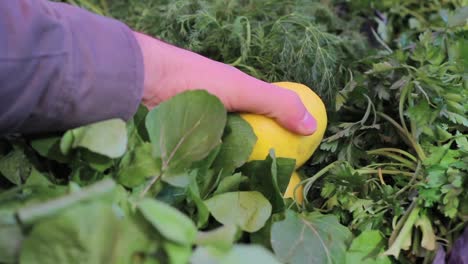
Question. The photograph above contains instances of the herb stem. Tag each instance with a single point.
(389, 164)
(413, 178)
(409, 137)
(308, 182)
(403, 96)
(150, 184)
(408, 163)
(405, 153)
(389, 172)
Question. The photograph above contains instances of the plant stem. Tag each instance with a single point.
(408, 163)
(404, 94)
(390, 172)
(415, 175)
(150, 184)
(408, 136)
(389, 164)
(308, 182)
(376, 151)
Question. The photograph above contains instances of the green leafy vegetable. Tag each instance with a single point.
(173, 184)
(99, 237)
(108, 138)
(294, 237)
(184, 130)
(238, 254)
(367, 249)
(168, 221)
(247, 210)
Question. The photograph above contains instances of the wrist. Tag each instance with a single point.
(153, 61)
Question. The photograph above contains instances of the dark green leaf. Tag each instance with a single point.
(137, 165)
(230, 183)
(238, 142)
(185, 129)
(95, 161)
(367, 249)
(203, 214)
(15, 166)
(294, 237)
(49, 147)
(270, 177)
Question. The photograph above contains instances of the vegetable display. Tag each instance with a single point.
(189, 182)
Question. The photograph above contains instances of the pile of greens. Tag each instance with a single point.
(388, 184)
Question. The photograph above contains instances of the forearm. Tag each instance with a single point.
(62, 67)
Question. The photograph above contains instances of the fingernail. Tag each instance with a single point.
(308, 124)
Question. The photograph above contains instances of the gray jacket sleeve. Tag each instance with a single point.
(62, 67)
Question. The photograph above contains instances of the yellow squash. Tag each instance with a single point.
(285, 143)
(293, 182)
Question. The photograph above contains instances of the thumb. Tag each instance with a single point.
(283, 105)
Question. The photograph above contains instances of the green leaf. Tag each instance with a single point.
(88, 233)
(169, 221)
(462, 142)
(178, 254)
(11, 237)
(270, 177)
(421, 114)
(263, 236)
(137, 165)
(428, 240)
(37, 179)
(49, 147)
(367, 249)
(108, 138)
(403, 240)
(247, 210)
(185, 129)
(381, 67)
(136, 126)
(206, 177)
(238, 142)
(95, 161)
(230, 183)
(193, 193)
(294, 237)
(15, 166)
(245, 254)
(222, 237)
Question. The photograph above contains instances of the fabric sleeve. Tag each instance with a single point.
(62, 67)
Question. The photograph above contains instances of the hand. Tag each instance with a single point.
(170, 70)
